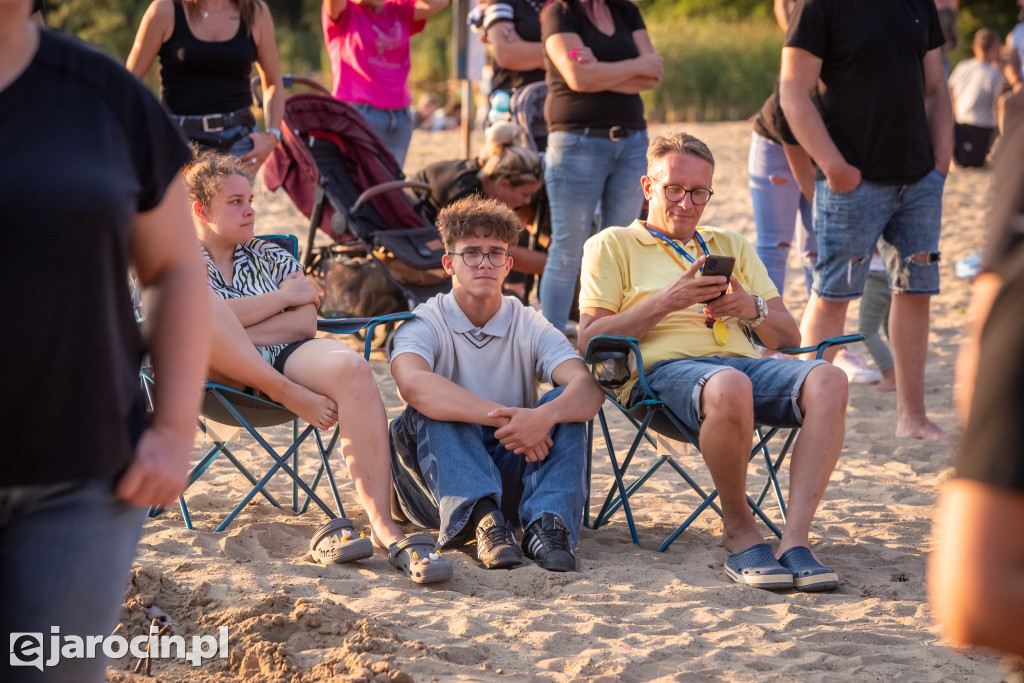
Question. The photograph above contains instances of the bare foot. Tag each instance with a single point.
(741, 539)
(317, 410)
(923, 429)
(387, 536)
(888, 383)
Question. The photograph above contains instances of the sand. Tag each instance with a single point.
(630, 613)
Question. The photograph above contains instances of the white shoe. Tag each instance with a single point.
(856, 368)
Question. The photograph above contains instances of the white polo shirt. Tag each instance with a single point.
(503, 361)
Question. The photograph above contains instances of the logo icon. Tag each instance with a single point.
(27, 649)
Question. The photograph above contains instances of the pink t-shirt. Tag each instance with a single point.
(369, 52)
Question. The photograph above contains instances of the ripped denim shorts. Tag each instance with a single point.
(903, 221)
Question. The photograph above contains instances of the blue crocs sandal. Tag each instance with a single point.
(809, 575)
(756, 566)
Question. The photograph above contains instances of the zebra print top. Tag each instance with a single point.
(260, 267)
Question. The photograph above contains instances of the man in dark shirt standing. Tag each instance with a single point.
(882, 143)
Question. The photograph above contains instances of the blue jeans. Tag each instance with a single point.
(392, 126)
(65, 553)
(442, 469)
(775, 382)
(907, 218)
(579, 173)
(776, 205)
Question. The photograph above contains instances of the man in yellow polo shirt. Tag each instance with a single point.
(644, 281)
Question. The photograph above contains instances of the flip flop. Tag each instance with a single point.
(336, 541)
(809, 575)
(419, 558)
(756, 566)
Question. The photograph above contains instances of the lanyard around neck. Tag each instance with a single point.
(665, 240)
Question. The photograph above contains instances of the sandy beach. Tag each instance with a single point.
(629, 613)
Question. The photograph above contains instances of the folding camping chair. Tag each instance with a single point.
(609, 357)
(252, 413)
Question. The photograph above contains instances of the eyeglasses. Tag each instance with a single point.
(675, 193)
(474, 257)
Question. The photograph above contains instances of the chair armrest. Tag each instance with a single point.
(353, 325)
(819, 349)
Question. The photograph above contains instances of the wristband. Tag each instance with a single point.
(276, 132)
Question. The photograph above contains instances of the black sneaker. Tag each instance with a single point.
(546, 542)
(496, 544)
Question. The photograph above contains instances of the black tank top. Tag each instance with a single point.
(201, 77)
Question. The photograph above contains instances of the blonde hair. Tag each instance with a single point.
(678, 143)
(205, 174)
(477, 216)
(506, 154)
(246, 8)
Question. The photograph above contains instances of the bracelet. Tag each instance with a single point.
(276, 132)
(762, 313)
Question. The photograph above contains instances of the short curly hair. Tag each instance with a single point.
(205, 174)
(478, 217)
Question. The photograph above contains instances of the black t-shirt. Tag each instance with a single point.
(990, 451)
(873, 75)
(771, 122)
(524, 15)
(199, 77)
(85, 147)
(449, 182)
(566, 109)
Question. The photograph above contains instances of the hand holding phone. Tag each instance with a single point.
(719, 265)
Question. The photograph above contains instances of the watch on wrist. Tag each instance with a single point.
(276, 132)
(762, 313)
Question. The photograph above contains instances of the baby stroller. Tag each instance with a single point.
(385, 256)
(527, 109)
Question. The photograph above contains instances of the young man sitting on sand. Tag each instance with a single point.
(644, 281)
(475, 450)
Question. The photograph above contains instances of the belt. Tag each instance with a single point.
(215, 123)
(608, 133)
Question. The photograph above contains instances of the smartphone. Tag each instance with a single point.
(718, 265)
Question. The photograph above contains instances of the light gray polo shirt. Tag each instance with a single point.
(502, 361)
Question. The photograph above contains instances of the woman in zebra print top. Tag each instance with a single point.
(264, 321)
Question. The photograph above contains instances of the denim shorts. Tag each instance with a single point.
(776, 386)
(901, 220)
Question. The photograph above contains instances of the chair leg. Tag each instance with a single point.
(325, 454)
(590, 461)
(281, 462)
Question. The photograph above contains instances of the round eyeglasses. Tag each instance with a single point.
(474, 257)
(675, 193)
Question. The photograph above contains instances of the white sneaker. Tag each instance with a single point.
(856, 368)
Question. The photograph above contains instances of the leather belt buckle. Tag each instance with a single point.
(618, 133)
(212, 128)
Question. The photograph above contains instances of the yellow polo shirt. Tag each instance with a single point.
(624, 266)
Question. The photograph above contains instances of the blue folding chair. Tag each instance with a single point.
(252, 413)
(609, 357)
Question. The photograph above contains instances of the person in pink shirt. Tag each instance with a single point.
(368, 45)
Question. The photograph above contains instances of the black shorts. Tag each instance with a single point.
(285, 353)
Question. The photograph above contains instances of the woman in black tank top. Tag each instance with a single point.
(207, 49)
